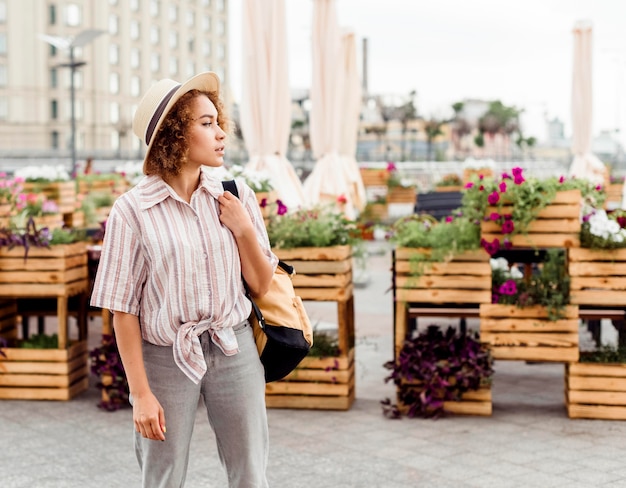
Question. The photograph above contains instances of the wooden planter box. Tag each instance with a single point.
(374, 177)
(75, 220)
(63, 193)
(614, 195)
(317, 383)
(8, 319)
(54, 221)
(527, 333)
(322, 274)
(477, 402)
(115, 186)
(557, 225)
(44, 374)
(399, 194)
(454, 188)
(464, 279)
(471, 173)
(269, 197)
(595, 391)
(598, 277)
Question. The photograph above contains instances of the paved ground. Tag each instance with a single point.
(528, 441)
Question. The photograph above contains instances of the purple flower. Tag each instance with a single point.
(449, 219)
(509, 287)
(561, 179)
(263, 203)
(469, 185)
(493, 198)
(491, 247)
(508, 226)
(502, 186)
(506, 176)
(282, 208)
(494, 216)
(517, 171)
(518, 180)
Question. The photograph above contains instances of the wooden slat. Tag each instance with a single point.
(491, 310)
(527, 325)
(44, 276)
(539, 240)
(598, 282)
(450, 268)
(332, 253)
(44, 380)
(604, 412)
(406, 253)
(597, 297)
(321, 280)
(325, 294)
(41, 367)
(43, 264)
(12, 393)
(44, 355)
(520, 339)
(321, 267)
(597, 268)
(319, 375)
(339, 362)
(553, 354)
(443, 296)
(25, 290)
(538, 226)
(303, 388)
(597, 397)
(582, 254)
(464, 282)
(596, 383)
(310, 402)
(60, 250)
(595, 369)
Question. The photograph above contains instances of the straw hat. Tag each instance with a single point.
(160, 99)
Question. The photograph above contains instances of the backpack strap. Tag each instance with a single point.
(231, 186)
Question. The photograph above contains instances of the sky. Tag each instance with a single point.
(518, 52)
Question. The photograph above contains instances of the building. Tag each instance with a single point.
(141, 42)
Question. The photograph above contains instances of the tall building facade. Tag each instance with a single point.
(140, 42)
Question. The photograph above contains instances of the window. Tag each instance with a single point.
(54, 109)
(155, 63)
(114, 113)
(191, 19)
(134, 30)
(114, 83)
(154, 34)
(221, 51)
(3, 42)
(54, 139)
(73, 15)
(114, 54)
(135, 86)
(4, 108)
(113, 25)
(52, 15)
(220, 5)
(173, 66)
(53, 51)
(206, 23)
(4, 79)
(173, 39)
(191, 45)
(134, 5)
(221, 27)
(78, 79)
(191, 69)
(154, 8)
(79, 111)
(115, 140)
(206, 48)
(54, 78)
(3, 11)
(173, 13)
(135, 58)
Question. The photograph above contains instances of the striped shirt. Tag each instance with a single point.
(174, 265)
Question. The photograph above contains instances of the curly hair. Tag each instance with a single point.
(168, 154)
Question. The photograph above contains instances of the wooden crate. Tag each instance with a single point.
(527, 334)
(317, 383)
(8, 318)
(114, 186)
(614, 196)
(323, 274)
(63, 193)
(478, 402)
(398, 194)
(52, 221)
(374, 177)
(595, 391)
(597, 277)
(557, 225)
(44, 374)
(471, 174)
(75, 220)
(466, 279)
(59, 271)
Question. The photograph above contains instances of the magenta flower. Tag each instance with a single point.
(506, 176)
(263, 203)
(508, 226)
(518, 179)
(491, 247)
(494, 216)
(561, 179)
(507, 244)
(449, 219)
(517, 171)
(481, 188)
(502, 186)
(282, 208)
(493, 198)
(469, 185)
(391, 166)
(509, 287)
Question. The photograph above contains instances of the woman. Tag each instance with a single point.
(174, 253)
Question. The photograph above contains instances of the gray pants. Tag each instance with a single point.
(233, 390)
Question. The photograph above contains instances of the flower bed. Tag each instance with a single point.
(63, 193)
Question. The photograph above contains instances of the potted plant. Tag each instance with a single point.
(595, 386)
(438, 372)
(399, 188)
(530, 316)
(449, 182)
(53, 181)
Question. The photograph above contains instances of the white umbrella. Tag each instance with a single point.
(329, 179)
(266, 100)
(585, 164)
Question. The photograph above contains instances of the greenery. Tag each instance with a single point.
(39, 341)
(436, 367)
(548, 286)
(604, 354)
(451, 179)
(319, 226)
(602, 230)
(324, 345)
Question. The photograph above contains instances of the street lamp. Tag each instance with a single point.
(68, 44)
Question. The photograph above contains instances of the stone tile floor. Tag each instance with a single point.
(528, 441)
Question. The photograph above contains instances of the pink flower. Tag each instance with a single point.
(469, 185)
(481, 188)
(508, 226)
(506, 176)
(502, 186)
(509, 287)
(494, 216)
(341, 199)
(282, 208)
(449, 219)
(518, 179)
(517, 171)
(263, 203)
(598, 187)
(391, 166)
(491, 247)
(561, 179)
(493, 198)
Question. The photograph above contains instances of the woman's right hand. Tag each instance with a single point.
(148, 417)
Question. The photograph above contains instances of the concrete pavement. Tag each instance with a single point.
(528, 441)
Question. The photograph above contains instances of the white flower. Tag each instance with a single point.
(471, 163)
(516, 273)
(44, 172)
(499, 264)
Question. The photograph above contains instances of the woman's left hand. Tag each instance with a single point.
(233, 215)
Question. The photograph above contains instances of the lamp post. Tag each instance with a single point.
(69, 44)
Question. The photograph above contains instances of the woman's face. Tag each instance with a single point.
(206, 138)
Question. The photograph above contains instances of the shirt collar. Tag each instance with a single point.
(153, 190)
